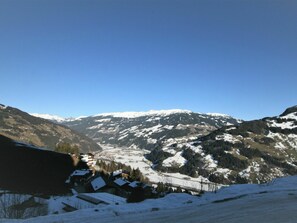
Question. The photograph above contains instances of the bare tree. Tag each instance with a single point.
(7, 203)
(21, 206)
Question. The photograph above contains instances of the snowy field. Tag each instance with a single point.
(273, 203)
(134, 157)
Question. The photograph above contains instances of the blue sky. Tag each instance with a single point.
(84, 57)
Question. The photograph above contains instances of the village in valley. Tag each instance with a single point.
(94, 180)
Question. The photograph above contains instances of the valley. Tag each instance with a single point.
(224, 161)
(214, 147)
(136, 159)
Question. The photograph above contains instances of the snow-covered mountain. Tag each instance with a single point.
(215, 146)
(54, 118)
(21, 126)
(254, 151)
(148, 130)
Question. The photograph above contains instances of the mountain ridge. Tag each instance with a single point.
(126, 114)
(21, 126)
(251, 152)
(150, 129)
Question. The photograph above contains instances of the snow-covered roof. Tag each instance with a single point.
(98, 183)
(121, 182)
(134, 184)
(80, 172)
(117, 172)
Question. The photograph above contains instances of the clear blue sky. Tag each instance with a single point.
(83, 57)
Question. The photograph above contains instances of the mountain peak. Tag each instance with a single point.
(49, 117)
(218, 115)
(289, 111)
(147, 113)
(2, 106)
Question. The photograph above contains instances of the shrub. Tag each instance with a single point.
(66, 148)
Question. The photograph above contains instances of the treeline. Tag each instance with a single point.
(165, 188)
(134, 174)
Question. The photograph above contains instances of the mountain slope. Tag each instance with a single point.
(21, 126)
(53, 118)
(28, 169)
(148, 130)
(254, 151)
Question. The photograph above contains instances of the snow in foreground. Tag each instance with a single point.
(274, 202)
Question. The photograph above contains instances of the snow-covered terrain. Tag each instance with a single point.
(135, 158)
(141, 114)
(148, 130)
(176, 160)
(269, 203)
(145, 130)
(55, 118)
(255, 151)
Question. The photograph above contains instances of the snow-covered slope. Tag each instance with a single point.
(255, 151)
(270, 203)
(141, 114)
(54, 118)
(206, 145)
(148, 130)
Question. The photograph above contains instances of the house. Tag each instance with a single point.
(88, 159)
(122, 183)
(79, 177)
(120, 174)
(135, 184)
(97, 183)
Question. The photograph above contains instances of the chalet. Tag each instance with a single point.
(120, 174)
(135, 184)
(144, 189)
(122, 183)
(97, 183)
(79, 177)
(88, 159)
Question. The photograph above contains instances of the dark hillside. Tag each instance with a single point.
(21, 126)
(31, 170)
